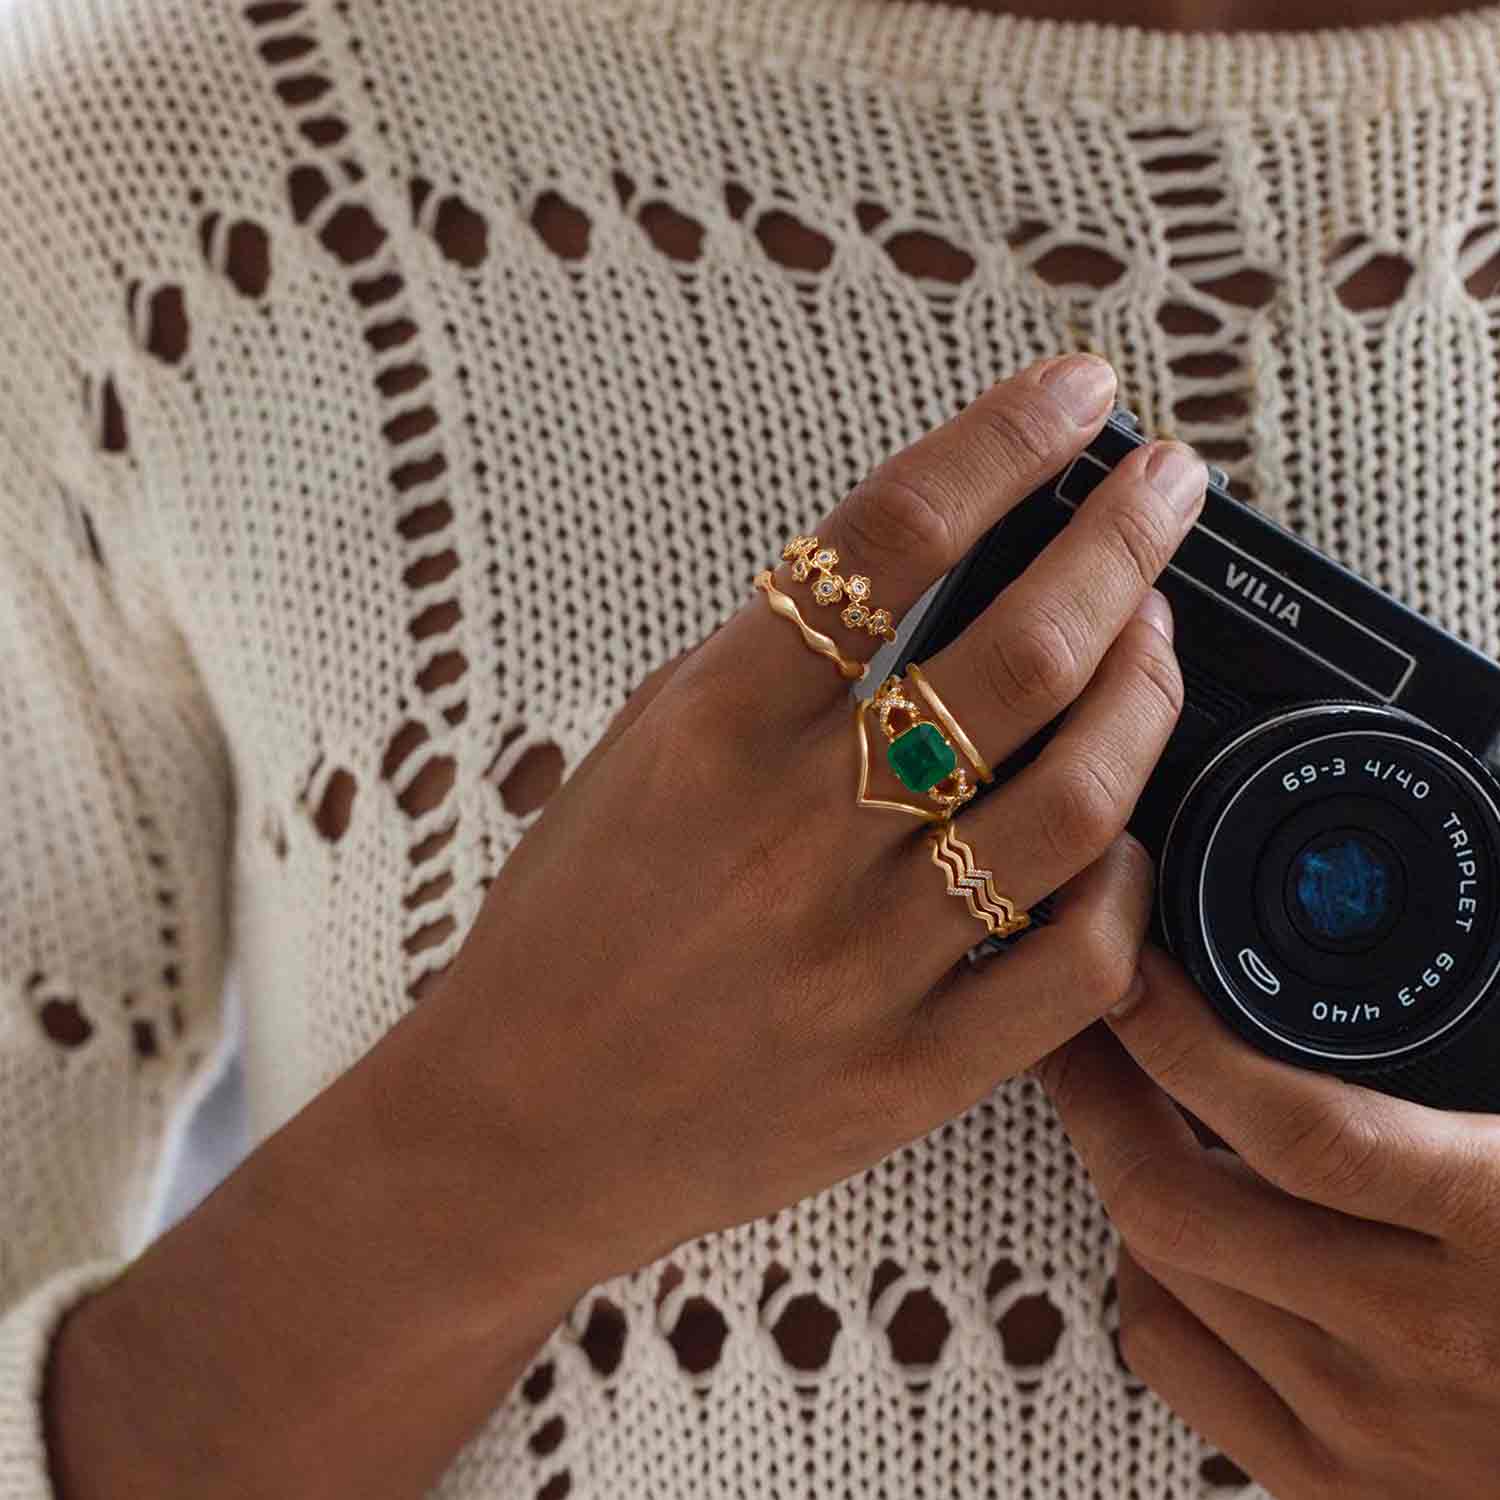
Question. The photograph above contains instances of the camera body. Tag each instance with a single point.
(1326, 816)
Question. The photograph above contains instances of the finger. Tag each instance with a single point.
(1036, 645)
(1311, 1371)
(1213, 1390)
(636, 704)
(1320, 1137)
(997, 1019)
(915, 515)
(1061, 812)
(1205, 1212)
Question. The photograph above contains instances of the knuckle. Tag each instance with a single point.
(1086, 811)
(1322, 1148)
(1145, 1341)
(1110, 956)
(1022, 429)
(1157, 670)
(1172, 1057)
(1464, 1191)
(1144, 535)
(898, 510)
(1035, 669)
(1150, 1211)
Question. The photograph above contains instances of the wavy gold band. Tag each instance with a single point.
(784, 605)
(944, 717)
(976, 885)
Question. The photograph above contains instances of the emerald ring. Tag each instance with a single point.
(919, 754)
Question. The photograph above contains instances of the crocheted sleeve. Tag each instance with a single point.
(115, 817)
(114, 820)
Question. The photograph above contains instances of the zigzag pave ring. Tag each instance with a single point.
(974, 884)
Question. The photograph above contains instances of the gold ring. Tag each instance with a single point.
(920, 754)
(806, 556)
(976, 885)
(786, 606)
(860, 797)
(946, 719)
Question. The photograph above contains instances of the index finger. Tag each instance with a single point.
(1321, 1138)
(917, 514)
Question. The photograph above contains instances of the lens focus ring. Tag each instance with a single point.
(1330, 882)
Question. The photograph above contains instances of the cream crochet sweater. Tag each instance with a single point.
(387, 385)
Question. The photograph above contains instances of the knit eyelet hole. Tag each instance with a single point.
(1077, 265)
(65, 1023)
(793, 244)
(334, 811)
(280, 49)
(1248, 288)
(698, 1336)
(533, 779)
(307, 186)
(563, 227)
(166, 332)
(249, 263)
(918, 252)
(304, 88)
(603, 1337)
(1479, 261)
(538, 1384)
(143, 1039)
(462, 233)
(1029, 1331)
(547, 1438)
(1183, 320)
(270, 11)
(556, 1487)
(737, 199)
(430, 787)
(353, 234)
(1002, 1274)
(806, 1332)
(675, 234)
(114, 432)
(919, 1329)
(1365, 277)
(1220, 1470)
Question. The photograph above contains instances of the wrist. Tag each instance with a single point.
(338, 1317)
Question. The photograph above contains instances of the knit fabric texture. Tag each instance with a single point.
(386, 386)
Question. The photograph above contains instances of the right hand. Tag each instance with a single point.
(706, 984)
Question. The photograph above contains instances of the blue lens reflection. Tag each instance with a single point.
(1344, 889)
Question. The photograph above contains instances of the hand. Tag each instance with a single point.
(705, 983)
(1323, 1306)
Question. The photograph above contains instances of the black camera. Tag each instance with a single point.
(1326, 817)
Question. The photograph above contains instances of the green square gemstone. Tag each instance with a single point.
(921, 757)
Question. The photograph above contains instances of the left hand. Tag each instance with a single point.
(1323, 1306)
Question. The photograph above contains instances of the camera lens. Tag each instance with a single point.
(1343, 889)
(1329, 880)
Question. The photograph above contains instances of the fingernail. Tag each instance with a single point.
(1158, 612)
(1178, 474)
(1129, 1000)
(1084, 385)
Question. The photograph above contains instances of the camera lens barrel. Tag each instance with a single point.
(1330, 881)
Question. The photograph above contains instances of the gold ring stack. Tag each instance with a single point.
(976, 885)
(807, 557)
(785, 606)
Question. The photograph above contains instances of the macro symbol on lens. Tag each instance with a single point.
(1257, 971)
